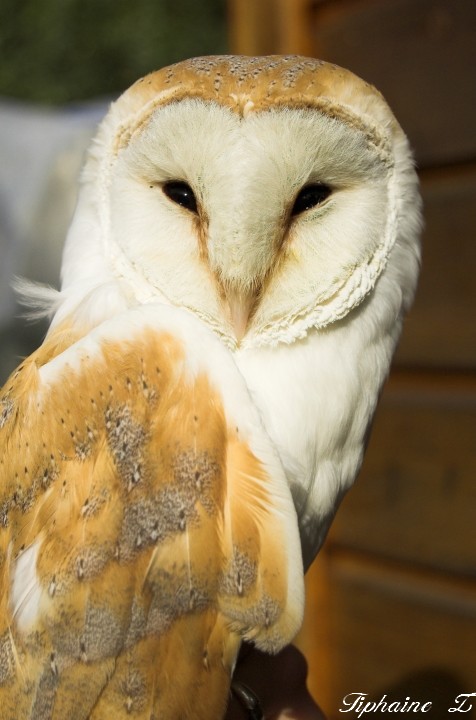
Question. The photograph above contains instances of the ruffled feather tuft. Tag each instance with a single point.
(40, 301)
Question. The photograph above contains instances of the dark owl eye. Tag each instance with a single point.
(310, 196)
(181, 193)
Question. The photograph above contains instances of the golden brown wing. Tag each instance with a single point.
(145, 526)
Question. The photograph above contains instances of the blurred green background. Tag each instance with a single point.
(58, 51)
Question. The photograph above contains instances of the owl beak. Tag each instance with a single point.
(240, 306)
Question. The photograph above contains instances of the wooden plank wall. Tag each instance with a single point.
(392, 598)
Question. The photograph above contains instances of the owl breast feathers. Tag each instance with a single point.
(234, 280)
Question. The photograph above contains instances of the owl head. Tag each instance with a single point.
(266, 195)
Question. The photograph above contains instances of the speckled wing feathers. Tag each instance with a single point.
(145, 525)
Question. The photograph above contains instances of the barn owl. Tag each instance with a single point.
(234, 280)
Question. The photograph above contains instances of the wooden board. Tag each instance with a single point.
(415, 499)
(441, 328)
(316, 639)
(421, 56)
(268, 27)
(391, 630)
(252, 27)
